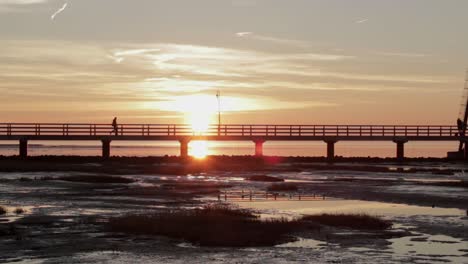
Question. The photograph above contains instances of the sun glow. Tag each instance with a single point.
(200, 111)
(199, 149)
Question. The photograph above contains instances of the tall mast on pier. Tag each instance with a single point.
(463, 114)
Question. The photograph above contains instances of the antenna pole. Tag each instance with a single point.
(463, 144)
(218, 97)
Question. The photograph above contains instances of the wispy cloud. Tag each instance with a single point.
(275, 40)
(403, 54)
(21, 2)
(360, 21)
(149, 73)
(60, 10)
(7, 6)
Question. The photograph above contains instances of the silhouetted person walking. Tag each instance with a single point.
(461, 127)
(115, 128)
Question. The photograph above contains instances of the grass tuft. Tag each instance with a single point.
(215, 225)
(3, 210)
(96, 179)
(353, 221)
(285, 187)
(264, 178)
(19, 211)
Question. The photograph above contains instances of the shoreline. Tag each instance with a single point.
(174, 165)
(265, 158)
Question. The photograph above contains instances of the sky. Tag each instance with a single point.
(273, 61)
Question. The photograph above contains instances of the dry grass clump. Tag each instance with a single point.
(3, 210)
(215, 225)
(264, 178)
(96, 179)
(283, 187)
(353, 221)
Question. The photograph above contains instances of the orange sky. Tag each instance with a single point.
(315, 62)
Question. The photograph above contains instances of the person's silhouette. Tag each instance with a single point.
(115, 128)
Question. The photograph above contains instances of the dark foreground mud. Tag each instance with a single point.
(66, 221)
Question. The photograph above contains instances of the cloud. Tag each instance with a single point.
(243, 34)
(275, 40)
(403, 54)
(44, 72)
(60, 10)
(360, 21)
(22, 2)
(8, 6)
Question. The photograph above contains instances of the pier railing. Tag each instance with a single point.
(50, 129)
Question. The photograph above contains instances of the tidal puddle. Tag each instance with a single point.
(346, 206)
(306, 243)
(437, 247)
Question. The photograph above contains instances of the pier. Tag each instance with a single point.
(257, 134)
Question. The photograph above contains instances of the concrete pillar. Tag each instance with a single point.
(330, 150)
(400, 153)
(465, 152)
(259, 147)
(184, 147)
(23, 148)
(106, 145)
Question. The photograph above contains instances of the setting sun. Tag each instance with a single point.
(199, 149)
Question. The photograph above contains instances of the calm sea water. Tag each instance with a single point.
(140, 149)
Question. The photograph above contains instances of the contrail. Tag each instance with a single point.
(59, 11)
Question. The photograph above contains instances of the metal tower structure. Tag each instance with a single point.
(463, 114)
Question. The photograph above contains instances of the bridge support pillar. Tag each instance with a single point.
(330, 150)
(106, 146)
(184, 147)
(465, 152)
(23, 148)
(259, 147)
(400, 152)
